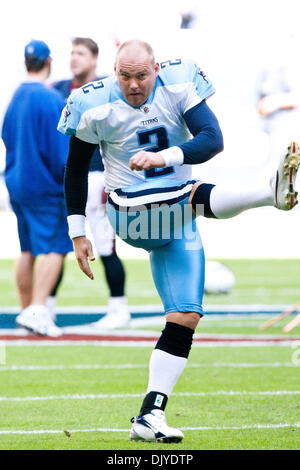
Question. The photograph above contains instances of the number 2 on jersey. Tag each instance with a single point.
(162, 143)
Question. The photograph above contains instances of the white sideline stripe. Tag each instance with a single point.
(243, 364)
(150, 344)
(209, 321)
(147, 335)
(142, 366)
(259, 310)
(137, 395)
(74, 367)
(246, 426)
(199, 428)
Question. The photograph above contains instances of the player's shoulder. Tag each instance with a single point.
(93, 94)
(178, 71)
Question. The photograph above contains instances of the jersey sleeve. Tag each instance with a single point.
(186, 83)
(76, 120)
(200, 88)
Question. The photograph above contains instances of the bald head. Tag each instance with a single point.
(136, 71)
(135, 48)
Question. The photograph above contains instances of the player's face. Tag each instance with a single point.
(82, 62)
(136, 77)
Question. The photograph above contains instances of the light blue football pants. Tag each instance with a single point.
(155, 216)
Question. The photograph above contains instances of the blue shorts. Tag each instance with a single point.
(43, 228)
(156, 216)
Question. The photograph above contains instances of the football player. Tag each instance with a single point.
(152, 122)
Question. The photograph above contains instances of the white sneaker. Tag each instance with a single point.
(283, 185)
(36, 318)
(153, 427)
(117, 316)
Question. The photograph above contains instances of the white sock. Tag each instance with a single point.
(50, 304)
(227, 202)
(117, 306)
(164, 371)
(118, 300)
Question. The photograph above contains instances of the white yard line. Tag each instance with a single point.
(199, 428)
(213, 309)
(136, 395)
(141, 366)
(135, 335)
(242, 365)
(150, 344)
(73, 367)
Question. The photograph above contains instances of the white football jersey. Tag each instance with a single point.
(99, 114)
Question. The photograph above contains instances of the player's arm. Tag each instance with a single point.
(76, 122)
(207, 142)
(76, 190)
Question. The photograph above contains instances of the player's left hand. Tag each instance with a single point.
(145, 160)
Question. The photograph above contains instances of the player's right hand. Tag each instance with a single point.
(144, 160)
(84, 253)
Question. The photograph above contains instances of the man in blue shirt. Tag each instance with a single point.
(35, 160)
(153, 123)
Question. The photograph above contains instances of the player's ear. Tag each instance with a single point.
(156, 69)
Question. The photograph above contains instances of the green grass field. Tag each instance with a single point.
(75, 408)
(257, 282)
(227, 397)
